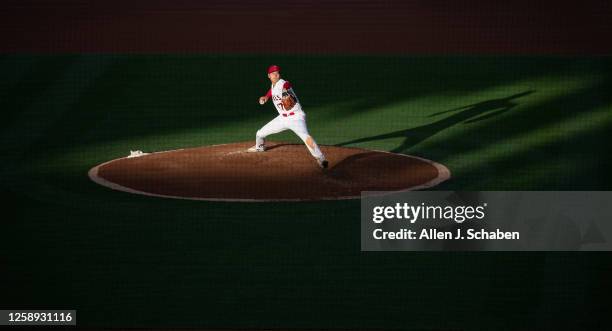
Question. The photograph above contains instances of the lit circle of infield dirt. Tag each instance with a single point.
(284, 172)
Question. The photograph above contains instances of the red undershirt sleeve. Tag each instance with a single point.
(287, 85)
(269, 93)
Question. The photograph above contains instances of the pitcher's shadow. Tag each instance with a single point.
(466, 114)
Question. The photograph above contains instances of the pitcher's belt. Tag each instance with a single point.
(288, 114)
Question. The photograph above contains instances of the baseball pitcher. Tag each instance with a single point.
(290, 116)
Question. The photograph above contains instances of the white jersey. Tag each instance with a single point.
(292, 119)
(277, 95)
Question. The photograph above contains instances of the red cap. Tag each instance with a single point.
(273, 68)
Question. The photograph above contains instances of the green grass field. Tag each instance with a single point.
(498, 123)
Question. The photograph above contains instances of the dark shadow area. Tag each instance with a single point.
(544, 115)
(338, 170)
(36, 74)
(144, 95)
(104, 232)
(573, 163)
(467, 114)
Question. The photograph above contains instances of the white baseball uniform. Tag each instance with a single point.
(293, 119)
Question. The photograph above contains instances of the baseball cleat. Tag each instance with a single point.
(323, 164)
(256, 149)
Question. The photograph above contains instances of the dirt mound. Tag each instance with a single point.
(283, 172)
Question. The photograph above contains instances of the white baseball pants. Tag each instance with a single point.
(295, 123)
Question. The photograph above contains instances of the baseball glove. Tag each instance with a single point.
(288, 101)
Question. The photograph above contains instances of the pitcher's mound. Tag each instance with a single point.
(283, 172)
